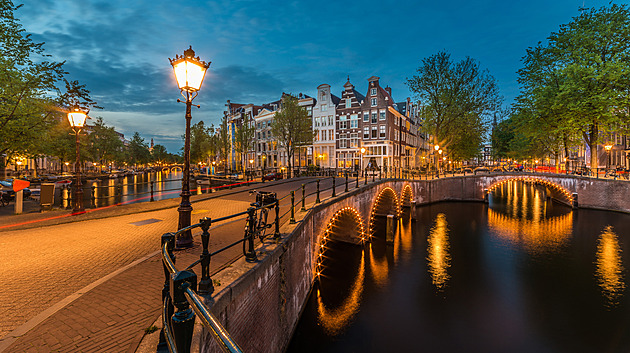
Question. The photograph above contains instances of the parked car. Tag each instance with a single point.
(272, 176)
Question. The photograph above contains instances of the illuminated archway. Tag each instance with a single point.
(176, 169)
(345, 223)
(385, 203)
(406, 196)
(564, 193)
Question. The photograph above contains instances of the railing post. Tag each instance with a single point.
(93, 198)
(167, 238)
(373, 176)
(365, 177)
(346, 182)
(152, 182)
(277, 207)
(334, 186)
(205, 284)
(292, 219)
(250, 254)
(380, 173)
(357, 180)
(317, 198)
(303, 198)
(183, 320)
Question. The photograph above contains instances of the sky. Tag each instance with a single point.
(259, 49)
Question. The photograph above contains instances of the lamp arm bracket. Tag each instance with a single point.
(194, 105)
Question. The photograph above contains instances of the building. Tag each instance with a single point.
(347, 127)
(324, 116)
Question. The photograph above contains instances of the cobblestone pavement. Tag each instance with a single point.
(45, 266)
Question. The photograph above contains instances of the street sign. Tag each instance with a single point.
(20, 184)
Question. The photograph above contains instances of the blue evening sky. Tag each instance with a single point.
(259, 49)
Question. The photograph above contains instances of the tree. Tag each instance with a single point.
(104, 143)
(457, 100)
(26, 78)
(159, 154)
(137, 151)
(200, 142)
(244, 139)
(223, 141)
(577, 83)
(292, 127)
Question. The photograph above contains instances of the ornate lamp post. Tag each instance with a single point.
(362, 154)
(77, 120)
(608, 148)
(437, 170)
(189, 72)
(251, 168)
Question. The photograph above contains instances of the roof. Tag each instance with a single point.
(335, 99)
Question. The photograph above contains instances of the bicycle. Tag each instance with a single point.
(263, 198)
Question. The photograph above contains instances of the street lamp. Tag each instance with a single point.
(77, 119)
(437, 170)
(251, 167)
(362, 153)
(189, 73)
(608, 148)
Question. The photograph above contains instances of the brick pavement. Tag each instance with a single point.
(46, 265)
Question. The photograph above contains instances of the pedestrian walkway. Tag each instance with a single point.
(94, 284)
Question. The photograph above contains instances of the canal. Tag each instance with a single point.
(520, 274)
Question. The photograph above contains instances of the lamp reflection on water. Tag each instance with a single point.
(439, 258)
(335, 320)
(609, 272)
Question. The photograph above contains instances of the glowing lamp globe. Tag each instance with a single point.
(189, 71)
(77, 118)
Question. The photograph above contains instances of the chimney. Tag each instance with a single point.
(389, 90)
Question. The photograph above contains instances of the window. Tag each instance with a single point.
(259, 135)
(330, 135)
(374, 118)
(373, 92)
(348, 102)
(330, 121)
(382, 115)
(323, 96)
(343, 142)
(366, 132)
(382, 131)
(263, 134)
(366, 117)
(354, 123)
(373, 132)
(343, 124)
(354, 140)
(374, 102)
(324, 107)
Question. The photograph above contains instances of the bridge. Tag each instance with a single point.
(271, 291)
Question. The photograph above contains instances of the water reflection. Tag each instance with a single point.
(333, 321)
(439, 259)
(609, 272)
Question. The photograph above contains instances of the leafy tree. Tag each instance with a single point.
(576, 85)
(244, 139)
(159, 154)
(457, 98)
(292, 127)
(26, 78)
(200, 142)
(137, 151)
(223, 141)
(104, 143)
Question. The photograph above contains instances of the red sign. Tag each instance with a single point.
(20, 184)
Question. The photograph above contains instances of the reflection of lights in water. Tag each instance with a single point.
(379, 269)
(535, 236)
(610, 269)
(402, 246)
(438, 252)
(335, 320)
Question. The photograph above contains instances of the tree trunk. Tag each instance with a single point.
(592, 144)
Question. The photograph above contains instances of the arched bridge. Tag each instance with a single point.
(288, 267)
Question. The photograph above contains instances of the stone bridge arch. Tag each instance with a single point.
(557, 191)
(406, 196)
(346, 225)
(385, 203)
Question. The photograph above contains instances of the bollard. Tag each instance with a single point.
(93, 197)
(575, 200)
(346, 182)
(365, 177)
(152, 182)
(19, 202)
(198, 189)
(205, 284)
(292, 219)
(357, 180)
(334, 187)
(303, 198)
(250, 254)
(64, 197)
(317, 198)
(390, 229)
(413, 210)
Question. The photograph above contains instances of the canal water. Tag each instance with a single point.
(521, 274)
